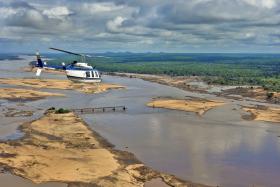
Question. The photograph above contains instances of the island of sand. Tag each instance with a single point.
(256, 93)
(61, 147)
(197, 105)
(262, 113)
(61, 84)
(16, 94)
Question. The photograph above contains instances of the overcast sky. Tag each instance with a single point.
(140, 25)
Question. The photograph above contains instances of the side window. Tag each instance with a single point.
(87, 74)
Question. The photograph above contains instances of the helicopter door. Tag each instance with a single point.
(87, 74)
(95, 74)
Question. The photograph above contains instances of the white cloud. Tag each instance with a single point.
(95, 8)
(6, 12)
(262, 3)
(147, 42)
(57, 12)
(178, 23)
(249, 35)
(115, 24)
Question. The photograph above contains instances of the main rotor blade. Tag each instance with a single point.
(66, 51)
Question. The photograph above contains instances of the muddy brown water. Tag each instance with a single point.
(219, 148)
(8, 180)
(155, 183)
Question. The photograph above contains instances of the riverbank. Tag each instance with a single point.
(196, 84)
(16, 94)
(61, 148)
(256, 93)
(197, 105)
(182, 82)
(61, 84)
(262, 113)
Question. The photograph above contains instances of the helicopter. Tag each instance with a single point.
(75, 71)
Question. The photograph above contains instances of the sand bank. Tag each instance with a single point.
(262, 113)
(15, 94)
(197, 105)
(256, 93)
(196, 84)
(61, 148)
(181, 82)
(62, 84)
(15, 112)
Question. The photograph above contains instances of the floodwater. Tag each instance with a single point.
(8, 180)
(218, 148)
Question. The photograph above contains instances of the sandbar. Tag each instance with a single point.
(262, 113)
(17, 94)
(256, 93)
(62, 84)
(62, 148)
(197, 105)
(196, 84)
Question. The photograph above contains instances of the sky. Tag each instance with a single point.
(202, 26)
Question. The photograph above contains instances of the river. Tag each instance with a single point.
(218, 148)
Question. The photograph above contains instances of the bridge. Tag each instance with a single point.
(99, 109)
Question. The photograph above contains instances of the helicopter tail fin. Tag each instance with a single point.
(40, 63)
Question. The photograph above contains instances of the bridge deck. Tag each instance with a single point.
(100, 109)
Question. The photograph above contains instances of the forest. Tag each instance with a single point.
(215, 68)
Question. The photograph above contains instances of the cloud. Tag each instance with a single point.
(115, 24)
(94, 8)
(26, 17)
(57, 12)
(262, 3)
(6, 12)
(175, 26)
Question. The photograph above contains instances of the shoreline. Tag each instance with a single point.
(254, 93)
(259, 112)
(262, 113)
(61, 84)
(24, 95)
(50, 141)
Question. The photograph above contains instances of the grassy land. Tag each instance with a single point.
(224, 69)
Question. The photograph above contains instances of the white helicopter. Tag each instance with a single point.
(76, 71)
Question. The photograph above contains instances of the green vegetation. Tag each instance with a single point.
(62, 111)
(52, 108)
(59, 111)
(224, 69)
(269, 95)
